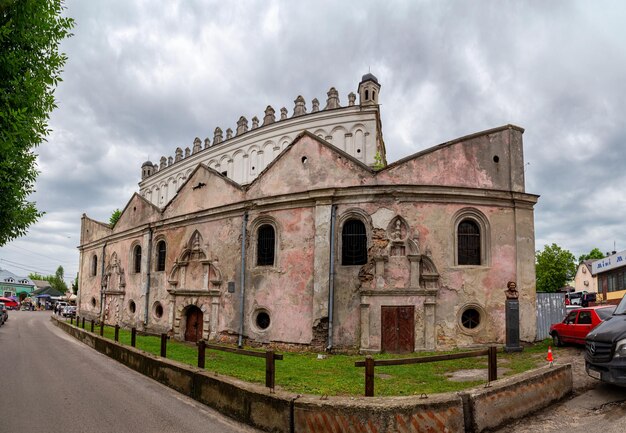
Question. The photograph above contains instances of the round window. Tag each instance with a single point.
(470, 318)
(158, 310)
(93, 302)
(132, 307)
(262, 320)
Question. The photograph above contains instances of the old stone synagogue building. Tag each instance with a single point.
(295, 230)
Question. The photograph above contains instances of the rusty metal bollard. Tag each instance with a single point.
(164, 345)
(201, 353)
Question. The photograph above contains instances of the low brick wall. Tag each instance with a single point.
(437, 413)
(473, 410)
(515, 397)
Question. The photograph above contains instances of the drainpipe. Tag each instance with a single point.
(243, 276)
(101, 314)
(331, 277)
(149, 266)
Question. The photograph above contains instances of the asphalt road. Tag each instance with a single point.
(52, 383)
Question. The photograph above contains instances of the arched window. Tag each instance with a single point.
(94, 265)
(353, 243)
(266, 239)
(468, 243)
(161, 250)
(137, 259)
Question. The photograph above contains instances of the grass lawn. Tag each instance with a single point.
(336, 374)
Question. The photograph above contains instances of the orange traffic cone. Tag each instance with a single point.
(550, 358)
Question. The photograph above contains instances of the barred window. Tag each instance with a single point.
(137, 257)
(468, 243)
(353, 243)
(161, 250)
(265, 245)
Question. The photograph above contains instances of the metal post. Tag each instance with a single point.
(71, 320)
(492, 363)
(133, 336)
(117, 332)
(83, 323)
(164, 345)
(102, 328)
(92, 325)
(201, 353)
(369, 376)
(270, 369)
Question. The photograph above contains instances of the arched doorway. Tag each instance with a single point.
(193, 329)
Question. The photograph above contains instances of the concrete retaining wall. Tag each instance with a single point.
(437, 413)
(514, 397)
(281, 412)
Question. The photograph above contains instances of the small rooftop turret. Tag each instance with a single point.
(368, 90)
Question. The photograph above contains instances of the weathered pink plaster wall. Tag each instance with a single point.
(422, 192)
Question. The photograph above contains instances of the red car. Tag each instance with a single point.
(9, 303)
(577, 324)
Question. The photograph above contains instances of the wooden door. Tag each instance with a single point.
(398, 329)
(193, 330)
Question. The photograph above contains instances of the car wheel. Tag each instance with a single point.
(556, 340)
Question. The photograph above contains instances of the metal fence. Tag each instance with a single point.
(550, 309)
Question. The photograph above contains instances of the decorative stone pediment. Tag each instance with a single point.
(195, 271)
(396, 262)
(114, 281)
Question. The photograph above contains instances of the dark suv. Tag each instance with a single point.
(605, 357)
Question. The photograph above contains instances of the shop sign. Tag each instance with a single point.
(608, 263)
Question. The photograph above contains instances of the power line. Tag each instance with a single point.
(42, 255)
(26, 266)
(29, 269)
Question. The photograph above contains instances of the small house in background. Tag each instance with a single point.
(584, 279)
(12, 285)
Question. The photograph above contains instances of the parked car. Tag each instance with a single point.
(577, 324)
(10, 303)
(69, 311)
(60, 306)
(605, 357)
(580, 298)
(4, 316)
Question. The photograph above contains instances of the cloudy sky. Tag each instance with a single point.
(145, 77)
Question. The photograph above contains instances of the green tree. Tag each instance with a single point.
(554, 267)
(115, 216)
(594, 254)
(56, 280)
(30, 68)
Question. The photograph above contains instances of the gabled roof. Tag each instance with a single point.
(153, 210)
(298, 137)
(227, 187)
(46, 291)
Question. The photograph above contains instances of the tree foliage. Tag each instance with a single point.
(30, 68)
(554, 267)
(56, 280)
(594, 254)
(115, 216)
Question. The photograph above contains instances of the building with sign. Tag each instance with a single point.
(611, 274)
(12, 285)
(297, 232)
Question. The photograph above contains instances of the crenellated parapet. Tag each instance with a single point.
(242, 154)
